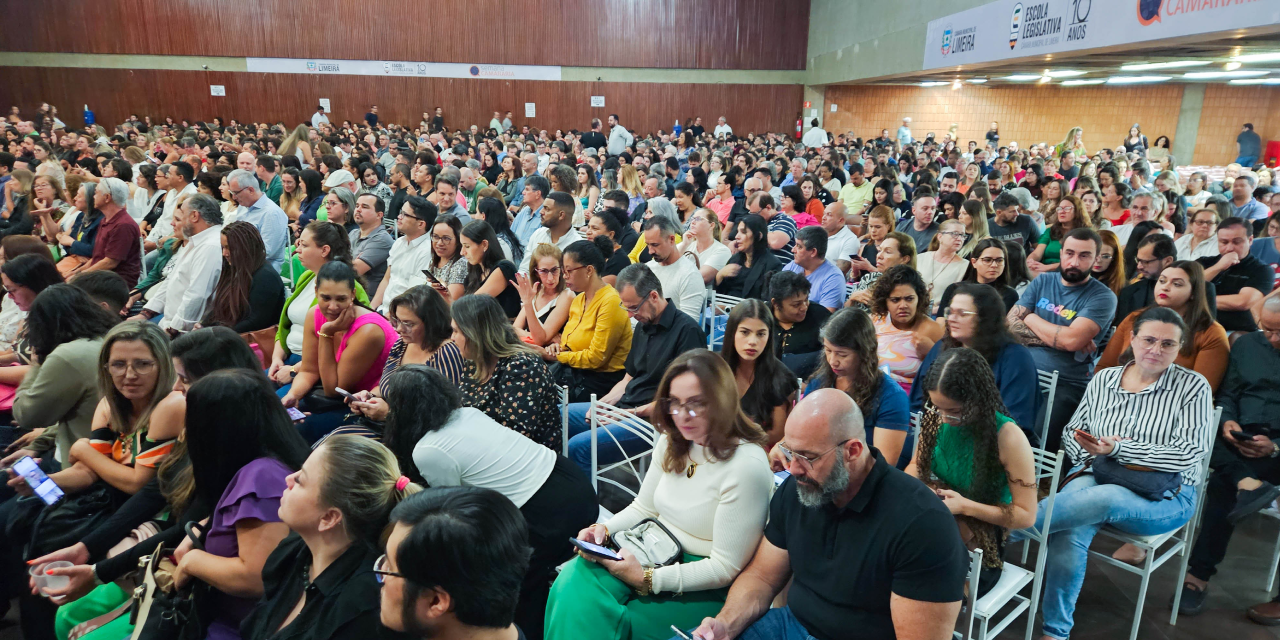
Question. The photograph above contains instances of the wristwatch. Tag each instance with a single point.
(1275, 449)
(647, 587)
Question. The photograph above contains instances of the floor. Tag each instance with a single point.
(1105, 609)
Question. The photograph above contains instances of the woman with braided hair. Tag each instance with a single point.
(975, 457)
(249, 294)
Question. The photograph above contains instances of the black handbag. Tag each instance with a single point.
(1148, 483)
(316, 402)
(161, 612)
(48, 528)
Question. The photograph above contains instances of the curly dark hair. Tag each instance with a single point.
(895, 276)
(990, 334)
(851, 328)
(963, 376)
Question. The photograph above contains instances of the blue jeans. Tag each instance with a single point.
(1082, 508)
(777, 624)
(580, 439)
(1246, 161)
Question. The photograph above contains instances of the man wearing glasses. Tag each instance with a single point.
(258, 210)
(410, 254)
(903, 566)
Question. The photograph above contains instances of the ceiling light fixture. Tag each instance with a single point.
(1136, 79)
(1064, 73)
(1232, 66)
(977, 81)
(1176, 64)
(1214, 75)
(1256, 81)
(1044, 79)
(1080, 83)
(1022, 77)
(935, 83)
(1258, 57)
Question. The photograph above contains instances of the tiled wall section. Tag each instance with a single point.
(1031, 114)
(1226, 107)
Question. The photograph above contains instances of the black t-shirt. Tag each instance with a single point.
(371, 118)
(803, 336)
(697, 130)
(509, 298)
(616, 263)
(1249, 272)
(1070, 174)
(1022, 230)
(869, 251)
(653, 347)
(594, 140)
(895, 536)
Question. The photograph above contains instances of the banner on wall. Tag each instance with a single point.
(413, 69)
(1008, 29)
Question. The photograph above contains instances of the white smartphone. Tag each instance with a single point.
(595, 549)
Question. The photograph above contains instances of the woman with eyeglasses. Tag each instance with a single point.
(1150, 413)
(1202, 239)
(336, 507)
(1070, 214)
(448, 265)
(943, 266)
(988, 264)
(597, 336)
(708, 485)
(975, 457)
(545, 302)
(339, 205)
(441, 442)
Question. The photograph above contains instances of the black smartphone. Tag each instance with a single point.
(595, 549)
(1241, 436)
(430, 277)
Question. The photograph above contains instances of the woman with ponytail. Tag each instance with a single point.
(336, 507)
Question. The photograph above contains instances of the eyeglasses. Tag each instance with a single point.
(408, 215)
(380, 571)
(963, 313)
(1152, 343)
(569, 270)
(1142, 263)
(547, 272)
(436, 238)
(953, 234)
(1270, 333)
(693, 408)
(991, 262)
(808, 460)
(141, 367)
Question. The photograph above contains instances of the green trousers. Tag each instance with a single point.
(97, 602)
(588, 602)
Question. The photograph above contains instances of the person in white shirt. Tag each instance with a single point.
(722, 128)
(815, 137)
(189, 287)
(181, 184)
(681, 280)
(702, 240)
(495, 123)
(842, 244)
(1201, 238)
(557, 225)
(619, 137)
(318, 118)
(411, 253)
(1141, 209)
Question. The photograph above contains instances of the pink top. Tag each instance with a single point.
(897, 351)
(722, 208)
(803, 220)
(389, 337)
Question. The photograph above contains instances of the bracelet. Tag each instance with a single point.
(323, 334)
(646, 588)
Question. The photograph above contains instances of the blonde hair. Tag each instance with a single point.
(360, 481)
(713, 220)
(121, 408)
(289, 145)
(629, 181)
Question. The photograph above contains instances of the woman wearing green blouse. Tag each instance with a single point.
(1071, 214)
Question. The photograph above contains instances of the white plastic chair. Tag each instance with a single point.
(564, 420)
(1048, 385)
(721, 305)
(1181, 539)
(1272, 512)
(606, 415)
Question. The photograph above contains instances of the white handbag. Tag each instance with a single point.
(651, 543)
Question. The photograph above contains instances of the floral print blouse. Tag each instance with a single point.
(520, 395)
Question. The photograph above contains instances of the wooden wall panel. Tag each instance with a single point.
(1228, 107)
(113, 94)
(685, 34)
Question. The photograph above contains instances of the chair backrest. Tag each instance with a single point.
(916, 417)
(721, 306)
(564, 420)
(602, 414)
(971, 607)
(1048, 465)
(849, 288)
(1048, 385)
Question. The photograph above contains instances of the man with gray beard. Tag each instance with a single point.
(873, 551)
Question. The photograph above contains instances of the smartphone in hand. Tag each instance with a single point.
(595, 549)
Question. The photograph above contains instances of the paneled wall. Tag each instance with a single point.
(113, 94)
(1228, 107)
(687, 34)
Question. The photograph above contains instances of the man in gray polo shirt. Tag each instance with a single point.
(370, 243)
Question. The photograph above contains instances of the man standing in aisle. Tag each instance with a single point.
(904, 133)
(619, 137)
(1250, 146)
(318, 118)
(722, 128)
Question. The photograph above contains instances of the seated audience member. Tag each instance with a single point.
(434, 556)
(447, 444)
(943, 266)
(345, 346)
(411, 253)
(1060, 318)
(976, 320)
(767, 388)
(975, 457)
(658, 207)
(1150, 413)
(181, 299)
(76, 242)
(488, 272)
(1180, 287)
(503, 376)
(897, 249)
(879, 223)
(1239, 278)
(850, 364)
(988, 264)
(798, 344)
(557, 223)
(249, 294)
(681, 279)
(842, 243)
(258, 210)
(1201, 239)
(748, 271)
(1244, 458)
(448, 266)
(24, 275)
(195, 355)
(1070, 214)
(974, 218)
(320, 243)
(904, 330)
(604, 224)
(702, 241)
(116, 247)
(920, 226)
(793, 204)
(544, 303)
(597, 337)
(827, 285)
(1155, 254)
(336, 507)
(1010, 224)
(370, 242)
(491, 210)
(107, 290)
(661, 333)
(708, 487)
(903, 539)
(1108, 268)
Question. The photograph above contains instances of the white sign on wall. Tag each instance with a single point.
(324, 102)
(391, 68)
(833, 107)
(530, 110)
(217, 90)
(1008, 29)
(597, 101)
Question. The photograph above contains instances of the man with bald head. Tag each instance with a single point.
(900, 565)
(842, 244)
(246, 161)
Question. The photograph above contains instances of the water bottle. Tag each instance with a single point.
(88, 116)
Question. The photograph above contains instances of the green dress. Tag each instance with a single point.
(1052, 248)
(953, 459)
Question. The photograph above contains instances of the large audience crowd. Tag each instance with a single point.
(346, 375)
